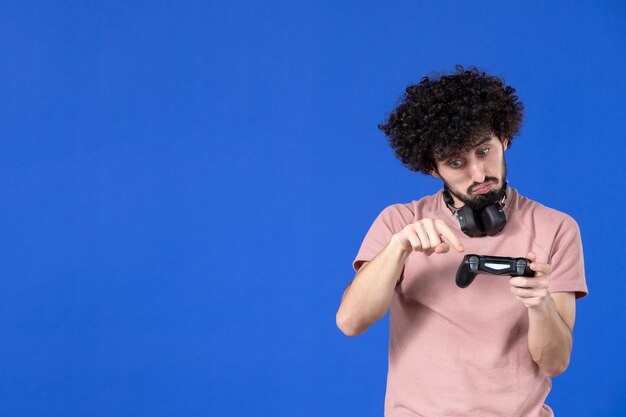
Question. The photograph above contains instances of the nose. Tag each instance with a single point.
(477, 171)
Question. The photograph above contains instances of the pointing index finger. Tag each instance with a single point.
(449, 235)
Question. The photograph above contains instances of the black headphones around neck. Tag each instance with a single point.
(486, 222)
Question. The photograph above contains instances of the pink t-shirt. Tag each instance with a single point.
(464, 352)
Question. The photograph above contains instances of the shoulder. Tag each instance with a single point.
(398, 215)
(539, 216)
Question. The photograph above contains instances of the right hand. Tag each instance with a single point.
(426, 235)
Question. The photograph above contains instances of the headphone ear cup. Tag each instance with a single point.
(493, 219)
(469, 222)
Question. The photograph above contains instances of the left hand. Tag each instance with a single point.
(532, 291)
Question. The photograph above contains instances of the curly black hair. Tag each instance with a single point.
(446, 115)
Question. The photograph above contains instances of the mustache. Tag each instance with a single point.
(487, 180)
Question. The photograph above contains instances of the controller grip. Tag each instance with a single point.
(473, 265)
(464, 276)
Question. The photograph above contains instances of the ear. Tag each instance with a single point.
(434, 173)
(505, 143)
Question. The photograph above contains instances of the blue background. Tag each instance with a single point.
(185, 185)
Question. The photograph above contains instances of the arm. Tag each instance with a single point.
(550, 319)
(550, 332)
(367, 298)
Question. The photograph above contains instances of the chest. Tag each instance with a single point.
(429, 281)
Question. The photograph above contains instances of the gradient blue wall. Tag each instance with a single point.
(185, 184)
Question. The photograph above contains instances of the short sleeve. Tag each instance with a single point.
(388, 222)
(566, 259)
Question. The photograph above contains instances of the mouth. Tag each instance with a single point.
(482, 189)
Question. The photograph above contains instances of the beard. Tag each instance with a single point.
(480, 201)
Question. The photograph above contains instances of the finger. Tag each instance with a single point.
(415, 242)
(541, 269)
(443, 247)
(525, 292)
(423, 236)
(433, 234)
(435, 237)
(547, 269)
(521, 282)
(449, 235)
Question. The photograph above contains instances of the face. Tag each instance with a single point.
(475, 178)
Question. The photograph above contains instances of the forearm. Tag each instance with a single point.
(367, 298)
(549, 338)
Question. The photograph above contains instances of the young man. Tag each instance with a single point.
(489, 349)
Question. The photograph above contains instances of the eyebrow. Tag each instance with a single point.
(484, 140)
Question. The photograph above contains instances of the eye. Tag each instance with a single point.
(484, 152)
(455, 163)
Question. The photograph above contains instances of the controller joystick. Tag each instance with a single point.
(473, 265)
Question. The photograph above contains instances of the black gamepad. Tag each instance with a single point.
(473, 265)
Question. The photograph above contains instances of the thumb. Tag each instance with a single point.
(442, 248)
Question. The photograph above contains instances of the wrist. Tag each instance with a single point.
(544, 308)
(397, 247)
